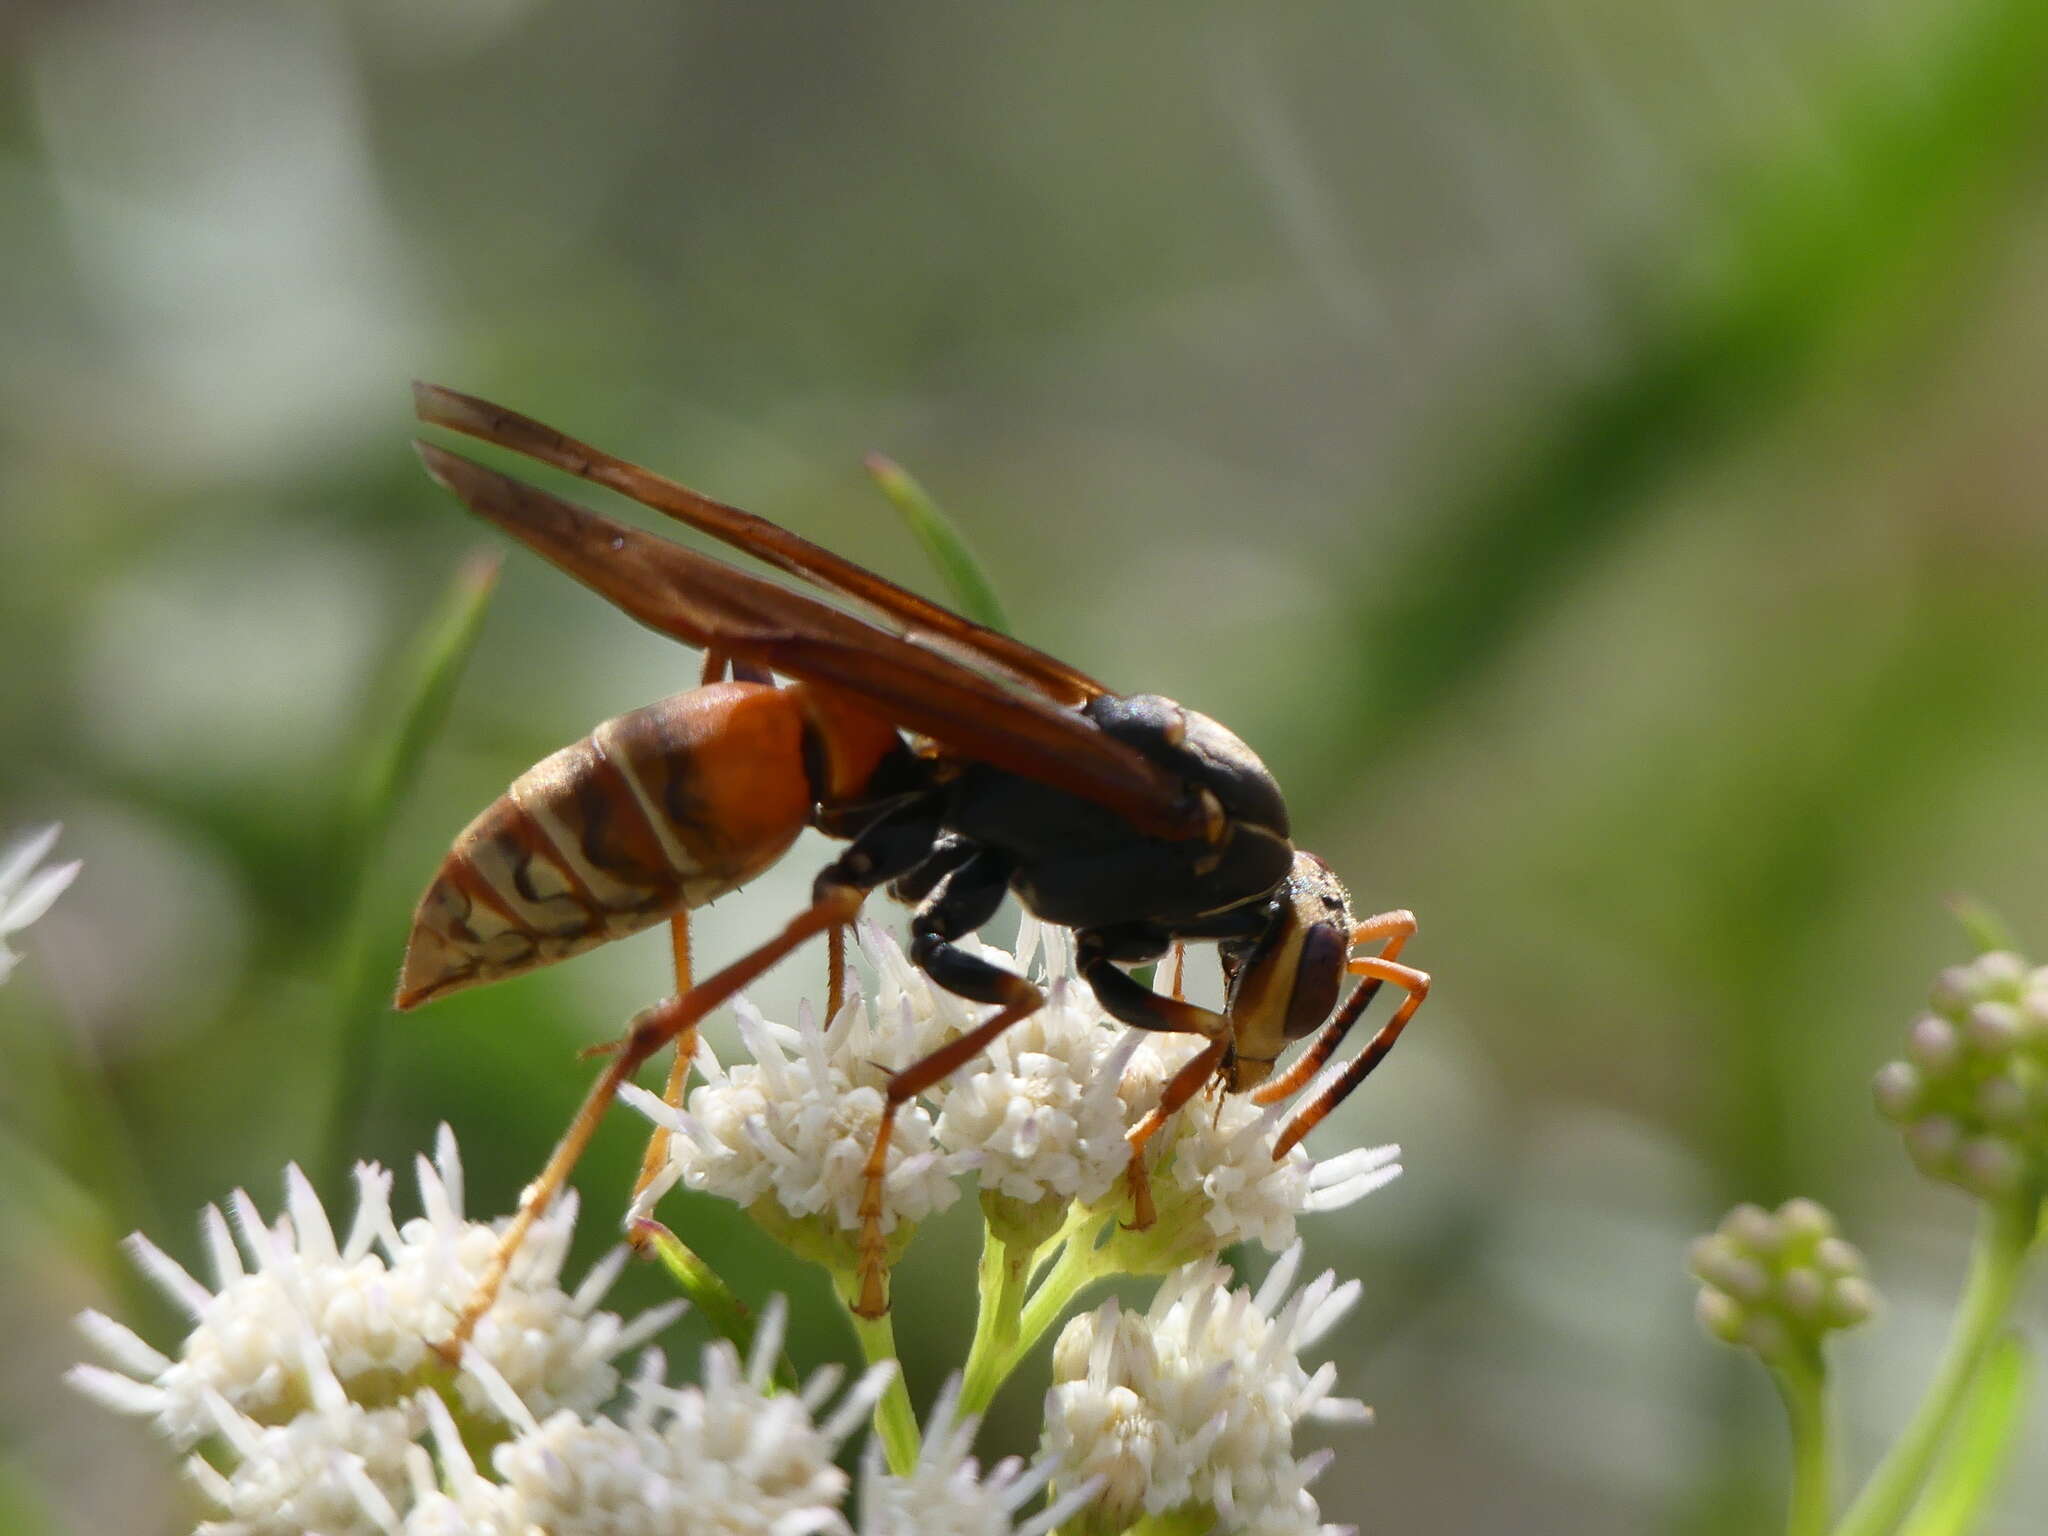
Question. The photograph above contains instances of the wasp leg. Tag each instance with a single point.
(652, 1030)
(947, 855)
(1181, 1087)
(1123, 998)
(835, 973)
(652, 1161)
(888, 848)
(1375, 968)
(967, 898)
(1396, 929)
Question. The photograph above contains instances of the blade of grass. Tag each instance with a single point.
(431, 666)
(965, 576)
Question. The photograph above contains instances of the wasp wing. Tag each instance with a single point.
(709, 604)
(922, 622)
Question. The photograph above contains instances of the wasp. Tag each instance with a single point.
(958, 764)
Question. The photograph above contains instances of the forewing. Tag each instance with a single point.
(709, 604)
(922, 622)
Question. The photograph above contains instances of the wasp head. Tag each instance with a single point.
(1283, 983)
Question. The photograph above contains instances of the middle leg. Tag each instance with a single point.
(965, 899)
(1124, 999)
(961, 902)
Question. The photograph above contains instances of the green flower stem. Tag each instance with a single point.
(1983, 1443)
(1803, 1386)
(1078, 1266)
(716, 1302)
(2004, 1236)
(1005, 1274)
(895, 1420)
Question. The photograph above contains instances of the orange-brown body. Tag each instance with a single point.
(655, 812)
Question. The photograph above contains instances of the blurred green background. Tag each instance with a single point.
(1592, 450)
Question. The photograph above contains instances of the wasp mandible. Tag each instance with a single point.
(959, 764)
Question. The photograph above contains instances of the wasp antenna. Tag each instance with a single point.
(439, 406)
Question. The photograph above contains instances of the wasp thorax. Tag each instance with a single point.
(1192, 744)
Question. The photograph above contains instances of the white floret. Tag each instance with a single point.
(335, 1470)
(368, 1309)
(729, 1455)
(1194, 1404)
(947, 1494)
(27, 892)
(795, 1123)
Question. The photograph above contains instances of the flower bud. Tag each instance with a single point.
(1851, 1301)
(1802, 1291)
(1972, 1091)
(1933, 1044)
(1992, 1027)
(1775, 1282)
(1897, 1089)
(1751, 1227)
(1805, 1221)
(1721, 1315)
(1988, 1166)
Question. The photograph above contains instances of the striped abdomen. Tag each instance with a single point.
(654, 812)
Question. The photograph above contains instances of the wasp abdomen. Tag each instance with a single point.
(654, 812)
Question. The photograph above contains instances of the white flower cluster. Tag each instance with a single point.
(1777, 1281)
(1215, 1169)
(792, 1127)
(1040, 1118)
(945, 1493)
(310, 1376)
(1191, 1407)
(25, 891)
(1971, 1094)
(728, 1455)
(293, 1307)
(309, 1371)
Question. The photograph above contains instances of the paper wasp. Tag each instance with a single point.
(1135, 822)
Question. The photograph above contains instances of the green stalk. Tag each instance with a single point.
(1969, 1473)
(2005, 1233)
(715, 1302)
(1005, 1274)
(895, 1419)
(1803, 1386)
(1077, 1266)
